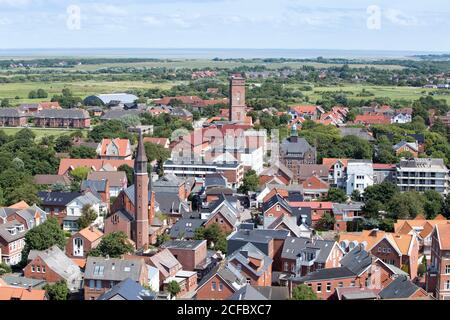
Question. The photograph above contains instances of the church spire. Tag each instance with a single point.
(140, 163)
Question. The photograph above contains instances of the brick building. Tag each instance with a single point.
(80, 243)
(62, 118)
(190, 253)
(10, 117)
(438, 275)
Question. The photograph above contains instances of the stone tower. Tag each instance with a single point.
(141, 200)
(237, 99)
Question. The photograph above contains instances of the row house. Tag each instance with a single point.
(399, 250)
(438, 275)
(32, 108)
(63, 118)
(10, 117)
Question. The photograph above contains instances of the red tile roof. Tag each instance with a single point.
(123, 145)
(315, 183)
(331, 161)
(313, 205)
(383, 166)
(305, 109)
(372, 119)
(94, 164)
(10, 293)
(160, 141)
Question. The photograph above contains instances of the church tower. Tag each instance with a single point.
(141, 200)
(238, 111)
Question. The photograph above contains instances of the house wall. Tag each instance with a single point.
(206, 292)
(49, 275)
(223, 223)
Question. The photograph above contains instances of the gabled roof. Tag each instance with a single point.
(357, 260)
(59, 263)
(228, 273)
(276, 200)
(55, 198)
(91, 233)
(247, 292)
(315, 183)
(63, 114)
(50, 179)
(123, 147)
(411, 145)
(94, 185)
(329, 162)
(293, 247)
(115, 178)
(128, 289)
(252, 259)
(185, 228)
(164, 261)
(400, 288)
(443, 233)
(94, 164)
(10, 293)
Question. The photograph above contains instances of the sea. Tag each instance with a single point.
(198, 53)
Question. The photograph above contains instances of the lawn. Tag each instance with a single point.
(79, 88)
(407, 93)
(41, 132)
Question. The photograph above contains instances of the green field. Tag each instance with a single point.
(41, 132)
(79, 88)
(407, 93)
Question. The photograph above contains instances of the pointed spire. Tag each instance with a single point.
(140, 163)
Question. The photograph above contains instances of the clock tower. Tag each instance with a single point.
(238, 111)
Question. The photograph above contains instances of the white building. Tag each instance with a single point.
(422, 175)
(74, 211)
(359, 175)
(402, 118)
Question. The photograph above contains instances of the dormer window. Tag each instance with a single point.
(20, 228)
(12, 231)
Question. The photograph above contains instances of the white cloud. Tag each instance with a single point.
(153, 21)
(110, 10)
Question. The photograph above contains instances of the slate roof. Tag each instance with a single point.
(185, 228)
(324, 274)
(23, 282)
(229, 273)
(128, 289)
(87, 198)
(63, 114)
(7, 236)
(294, 246)
(357, 260)
(340, 208)
(247, 292)
(359, 132)
(121, 97)
(248, 251)
(115, 178)
(400, 288)
(57, 198)
(276, 199)
(273, 293)
(215, 180)
(117, 114)
(182, 244)
(59, 263)
(403, 143)
(170, 203)
(296, 148)
(95, 185)
(113, 269)
(51, 179)
(11, 113)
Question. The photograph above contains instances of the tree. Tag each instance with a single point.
(4, 268)
(83, 152)
(63, 143)
(129, 172)
(114, 245)
(161, 239)
(434, 204)
(422, 267)
(156, 152)
(25, 134)
(80, 173)
(406, 205)
(382, 192)
(372, 208)
(214, 235)
(5, 103)
(88, 216)
(303, 292)
(250, 182)
(336, 195)
(58, 291)
(356, 195)
(41, 94)
(43, 237)
(173, 288)
(326, 222)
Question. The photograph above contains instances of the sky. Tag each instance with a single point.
(281, 24)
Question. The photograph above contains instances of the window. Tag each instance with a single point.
(388, 250)
(91, 284)
(340, 284)
(352, 284)
(32, 269)
(98, 270)
(43, 269)
(447, 269)
(278, 207)
(447, 285)
(248, 280)
(99, 284)
(384, 250)
(328, 286)
(220, 286)
(213, 286)
(38, 269)
(286, 266)
(379, 249)
(319, 287)
(293, 268)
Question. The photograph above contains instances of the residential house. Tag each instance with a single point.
(50, 180)
(114, 149)
(346, 212)
(295, 151)
(117, 180)
(75, 207)
(314, 209)
(276, 173)
(62, 118)
(102, 274)
(371, 119)
(307, 112)
(438, 275)
(55, 203)
(98, 188)
(301, 256)
(13, 293)
(67, 165)
(359, 269)
(253, 293)
(403, 147)
(163, 142)
(184, 229)
(253, 264)
(384, 172)
(220, 283)
(399, 250)
(83, 241)
(223, 213)
(128, 290)
(359, 175)
(52, 265)
(10, 117)
(166, 263)
(402, 288)
(192, 254)
(337, 172)
(314, 188)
